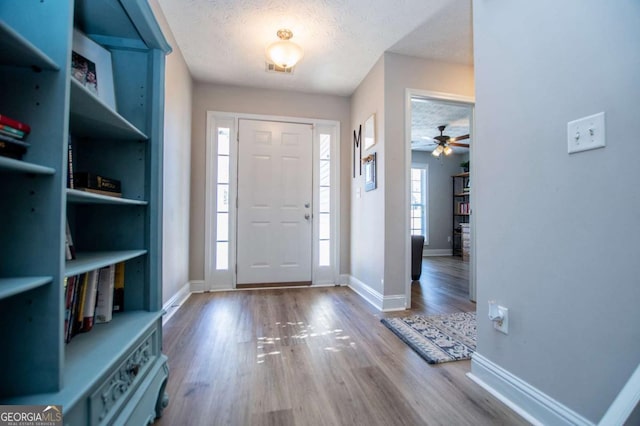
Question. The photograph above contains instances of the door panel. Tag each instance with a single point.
(274, 202)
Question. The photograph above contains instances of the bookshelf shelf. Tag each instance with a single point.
(12, 286)
(82, 197)
(115, 373)
(90, 117)
(15, 50)
(12, 165)
(88, 261)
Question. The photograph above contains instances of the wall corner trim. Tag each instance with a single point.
(175, 302)
(382, 303)
(530, 403)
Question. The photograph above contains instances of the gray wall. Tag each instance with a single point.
(248, 100)
(402, 72)
(440, 195)
(367, 208)
(378, 229)
(557, 234)
(176, 165)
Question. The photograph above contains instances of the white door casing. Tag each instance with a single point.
(274, 225)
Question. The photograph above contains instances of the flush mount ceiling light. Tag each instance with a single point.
(284, 53)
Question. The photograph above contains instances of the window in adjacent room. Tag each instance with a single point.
(419, 201)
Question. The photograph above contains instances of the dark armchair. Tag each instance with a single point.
(417, 243)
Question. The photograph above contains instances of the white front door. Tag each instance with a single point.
(274, 202)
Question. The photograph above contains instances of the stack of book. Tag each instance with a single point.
(12, 136)
(463, 208)
(91, 298)
(96, 184)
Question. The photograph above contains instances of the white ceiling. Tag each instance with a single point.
(223, 41)
(427, 115)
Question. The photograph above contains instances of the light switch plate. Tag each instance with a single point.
(586, 133)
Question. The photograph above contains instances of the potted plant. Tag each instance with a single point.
(465, 166)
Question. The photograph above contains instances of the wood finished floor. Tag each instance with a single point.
(318, 356)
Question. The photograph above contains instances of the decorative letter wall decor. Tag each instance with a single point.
(357, 147)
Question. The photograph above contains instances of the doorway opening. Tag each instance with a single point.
(439, 143)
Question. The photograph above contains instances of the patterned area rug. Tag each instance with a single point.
(437, 338)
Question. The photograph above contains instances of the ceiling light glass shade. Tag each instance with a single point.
(436, 152)
(448, 150)
(284, 53)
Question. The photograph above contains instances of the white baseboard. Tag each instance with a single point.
(343, 279)
(197, 286)
(396, 302)
(200, 286)
(624, 404)
(377, 300)
(530, 403)
(436, 252)
(175, 302)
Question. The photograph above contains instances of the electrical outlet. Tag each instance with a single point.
(503, 325)
(449, 239)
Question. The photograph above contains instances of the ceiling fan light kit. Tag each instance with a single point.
(284, 53)
(446, 142)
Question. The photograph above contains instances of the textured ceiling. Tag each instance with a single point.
(427, 115)
(223, 41)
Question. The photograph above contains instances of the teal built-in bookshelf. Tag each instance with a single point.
(116, 372)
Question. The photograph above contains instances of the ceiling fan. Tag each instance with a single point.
(446, 142)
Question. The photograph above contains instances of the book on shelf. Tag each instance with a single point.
(118, 288)
(66, 305)
(70, 181)
(18, 125)
(89, 305)
(79, 308)
(12, 150)
(70, 250)
(73, 285)
(69, 283)
(462, 208)
(104, 302)
(85, 180)
(10, 131)
(14, 141)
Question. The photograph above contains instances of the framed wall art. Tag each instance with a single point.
(369, 163)
(91, 67)
(370, 132)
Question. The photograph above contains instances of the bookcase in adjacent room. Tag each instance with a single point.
(115, 372)
(461, 212)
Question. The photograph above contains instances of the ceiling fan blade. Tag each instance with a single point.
(463, 145)
(460, 138)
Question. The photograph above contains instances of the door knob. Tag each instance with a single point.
(307, 205)
(307, 216)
